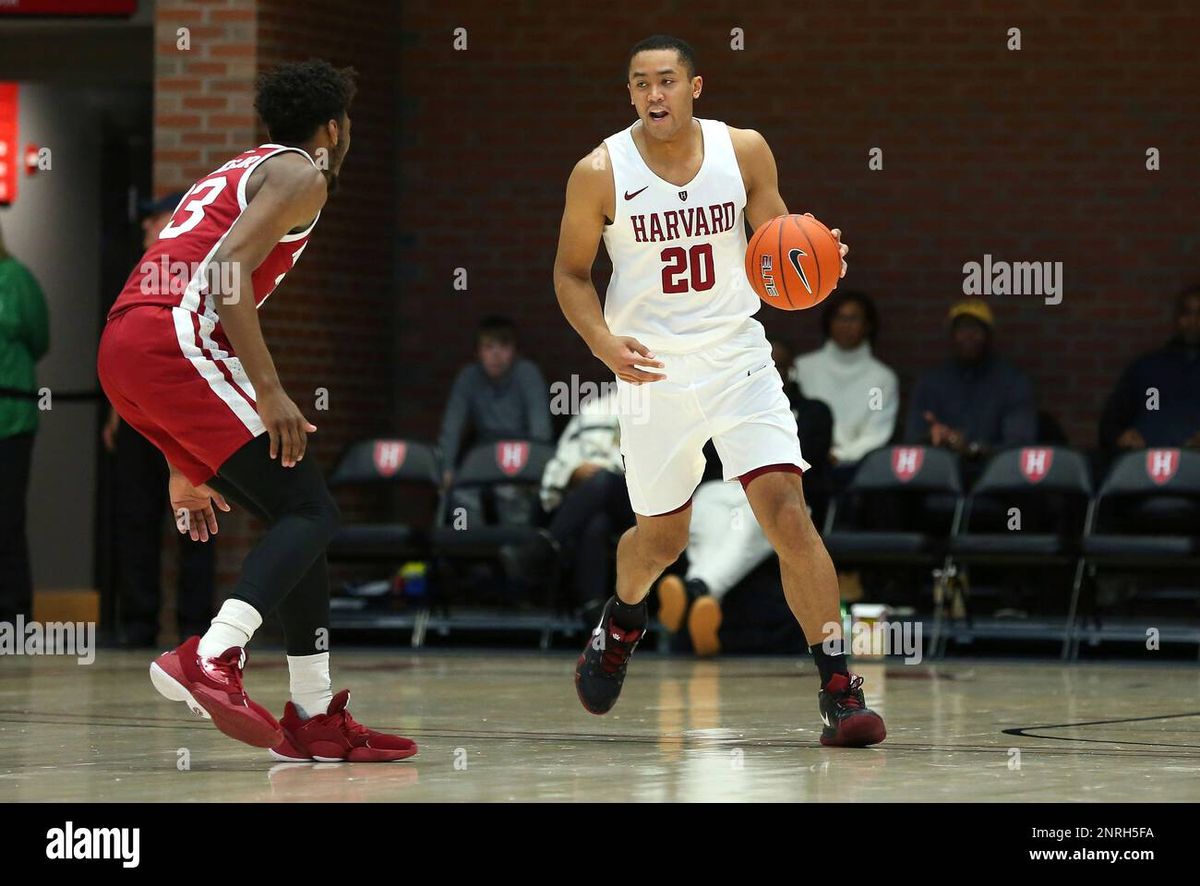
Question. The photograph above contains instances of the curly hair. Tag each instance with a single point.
(296, 98)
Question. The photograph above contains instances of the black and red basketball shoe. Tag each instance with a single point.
(849, 723)
(600, 671)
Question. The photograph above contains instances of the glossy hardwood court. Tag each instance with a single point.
(505, 726)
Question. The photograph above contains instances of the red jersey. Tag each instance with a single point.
(177, 272)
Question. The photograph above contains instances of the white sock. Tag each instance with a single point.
(310, 684)
(234, 625)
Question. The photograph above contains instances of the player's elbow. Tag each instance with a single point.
(223, 258)
(568, 276)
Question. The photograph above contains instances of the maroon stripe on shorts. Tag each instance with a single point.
(766, 469)
(683, 507)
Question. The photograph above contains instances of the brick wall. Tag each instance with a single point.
(1030, 155)
(203, 101)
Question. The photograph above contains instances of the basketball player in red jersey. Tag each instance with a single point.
(182, 359)
(670, 196)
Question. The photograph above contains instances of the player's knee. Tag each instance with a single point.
(319, 509)
(330, 516)
(790, 519)
(797, 514)
(665, 549)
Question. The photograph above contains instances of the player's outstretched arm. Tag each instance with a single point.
(290, 194)
(761, 177)
(578, 241)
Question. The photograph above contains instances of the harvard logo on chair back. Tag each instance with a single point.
(389, 456)
(512, 456)
(907, 461)
(1161, 465)
(1035, 463)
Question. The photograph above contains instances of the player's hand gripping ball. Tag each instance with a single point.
(794, 262)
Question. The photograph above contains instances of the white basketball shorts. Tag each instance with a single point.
(729, 392)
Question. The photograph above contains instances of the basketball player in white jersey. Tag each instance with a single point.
(671, 196)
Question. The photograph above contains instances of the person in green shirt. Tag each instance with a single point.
(24, 340)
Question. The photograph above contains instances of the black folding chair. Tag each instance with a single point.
(375, 462)
(1144, 517)
(501, 481)
(1028, 508)
(407, 465)
(900, 508)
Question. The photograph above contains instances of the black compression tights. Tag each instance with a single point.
(286, 570)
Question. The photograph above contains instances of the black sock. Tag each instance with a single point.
(828, 665)
(629, 618)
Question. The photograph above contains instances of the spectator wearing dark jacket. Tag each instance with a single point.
(1157, 400)
(976, 401)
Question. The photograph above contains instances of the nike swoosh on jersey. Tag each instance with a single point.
(629, 196)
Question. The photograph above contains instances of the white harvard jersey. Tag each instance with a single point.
(678, 251)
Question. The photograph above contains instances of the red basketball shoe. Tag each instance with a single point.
(335, 737)
(212, 688)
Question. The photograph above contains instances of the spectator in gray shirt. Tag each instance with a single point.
(976, 401)
(500, 396)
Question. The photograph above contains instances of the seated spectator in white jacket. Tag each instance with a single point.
(862, 392)
(583, 489)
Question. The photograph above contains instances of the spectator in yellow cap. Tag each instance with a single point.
(976, 401)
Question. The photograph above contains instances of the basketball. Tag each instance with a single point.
(793, 262)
